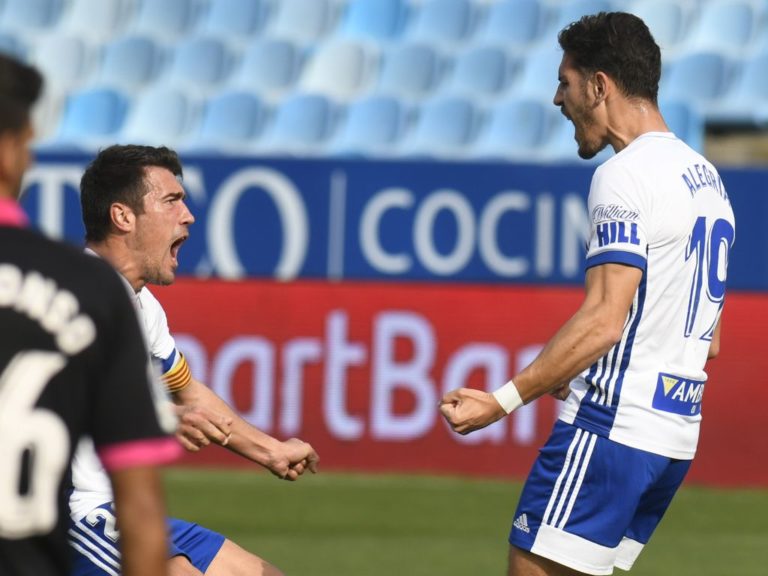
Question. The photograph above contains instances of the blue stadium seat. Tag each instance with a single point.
(269, 67)
(444, 127)
(168, 18)
(46, 116)
(200, 63)
(726, 26)
(513, 23)
(131, 62)
(481, 71)
(567, 11)
(442, 22)
(160, 115)
(18, 15)
(747, 96)
(685, 121)
(667, 21)
(370, 126)
(91, 118)
(302, 20)
(66, 61)
(231, 121)
(99, 20)
(380, 20)
(235, 18)
(341, 69)
(538, 77)
(514, 129)
(698, 78)
(410, 70)
(302, 124)
(13, 45)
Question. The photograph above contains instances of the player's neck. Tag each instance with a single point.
(630, 119)
(121, 260)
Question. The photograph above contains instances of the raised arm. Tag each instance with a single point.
(587, 336)
(714, 345)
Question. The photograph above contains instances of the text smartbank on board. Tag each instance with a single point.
(359, 368)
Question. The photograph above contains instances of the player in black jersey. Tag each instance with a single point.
(72, 363)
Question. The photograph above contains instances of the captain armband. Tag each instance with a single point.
(178, 377)
(508, 397)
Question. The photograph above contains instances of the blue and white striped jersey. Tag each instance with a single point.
(659, 206)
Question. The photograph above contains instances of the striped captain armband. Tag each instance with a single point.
(178, 377)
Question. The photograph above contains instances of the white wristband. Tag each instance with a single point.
(508, 397)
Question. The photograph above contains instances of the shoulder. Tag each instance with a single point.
(149, 303)
(152, 311)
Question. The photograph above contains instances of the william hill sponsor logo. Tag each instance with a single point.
(678, 395)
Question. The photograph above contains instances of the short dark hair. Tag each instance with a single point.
(117, 175)
(20, 87)
(618, 44)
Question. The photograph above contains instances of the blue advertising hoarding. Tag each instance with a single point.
(387, 220)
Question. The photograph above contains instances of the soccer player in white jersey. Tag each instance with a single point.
(630, 362)
(136, 218)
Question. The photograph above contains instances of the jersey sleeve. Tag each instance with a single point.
(159, 339)
(132, 416)
(173, 366)
(619, 221)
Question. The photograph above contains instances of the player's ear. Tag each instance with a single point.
(122, 217)
(10, 157)
(6, 142)
(600, 85)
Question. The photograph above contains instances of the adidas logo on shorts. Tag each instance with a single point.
(521, 523)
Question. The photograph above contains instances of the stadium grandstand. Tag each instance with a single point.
(451, 79)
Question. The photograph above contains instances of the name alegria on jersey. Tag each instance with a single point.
(56, 310)
(700, 176)
(678, 395)
(617, 233)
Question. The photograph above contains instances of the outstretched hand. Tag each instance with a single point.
(467, 409)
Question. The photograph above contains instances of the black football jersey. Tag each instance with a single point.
(72, 363)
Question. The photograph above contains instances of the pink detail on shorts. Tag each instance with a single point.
(139, 453)
(11, 214)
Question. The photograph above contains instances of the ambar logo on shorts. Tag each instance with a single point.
(678, 395)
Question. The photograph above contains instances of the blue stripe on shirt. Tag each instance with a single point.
(617, 257)
(167, 363)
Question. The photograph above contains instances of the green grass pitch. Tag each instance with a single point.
(335, 524)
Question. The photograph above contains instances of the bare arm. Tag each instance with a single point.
(140, 512)
(286, 459)
(714, 345)
(587, 336)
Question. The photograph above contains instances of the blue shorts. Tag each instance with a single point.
(592, 504)
(95, 543)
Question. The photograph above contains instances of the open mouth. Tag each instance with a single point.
(175, 246)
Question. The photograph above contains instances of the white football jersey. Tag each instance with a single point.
(91, 485)
(659, 206)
